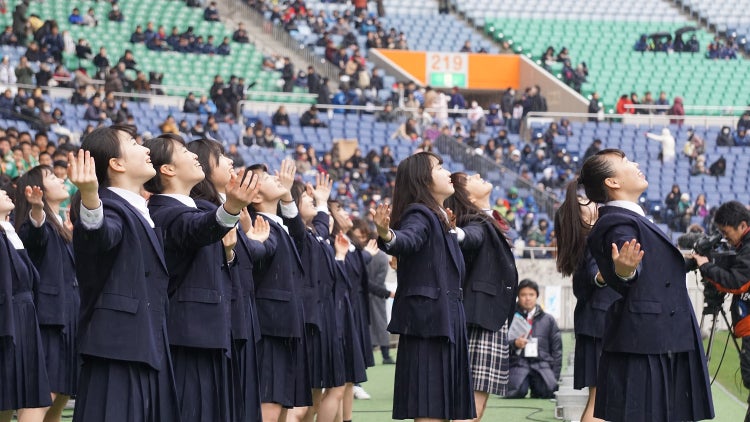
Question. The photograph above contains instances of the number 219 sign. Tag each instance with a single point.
(447, 69)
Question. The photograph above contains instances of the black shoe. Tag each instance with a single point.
(388, 361)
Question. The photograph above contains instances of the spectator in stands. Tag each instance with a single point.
(287, 74)
(536, 367)
(407, 130)
(169, 125)
(670, 203)
(83, 50)
(54, 43)
(79, 96)
(280, 117)
(101, 61)
(62, 76)
(141, 84)
(224, 49)
(678, 111)
(725, 138)
(310, 118)
(698, 167)
(115, 15)
(240, 35)
(211, 14)
(622, 103)
(595, 147)
(466, 47)
(206, 106)
(89, 19)
(94, 111)
(387, 115)
(270, 140)
(741, 138)
(457, 101)
(313, 80)
(662, 101)
(75, 18)
(138, 36)
(129, 60)
(667, 154)
(7, 105)
(634, 101)
(476, 117)
(24, 73)
(122, 114)
(8, 37)
(642, 44)
(7, 73)
(149, 33)
(744, 121)
(43, 76)
(113, 83)
(190, 105)
(648, 100)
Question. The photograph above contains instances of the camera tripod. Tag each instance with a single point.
(713, 306)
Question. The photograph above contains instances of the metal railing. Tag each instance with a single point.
(649, 119)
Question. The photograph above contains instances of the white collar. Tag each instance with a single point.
(137, 201)
(631, 206)
(223, 197)
(10, 231)
(186, 200)
(276, 219)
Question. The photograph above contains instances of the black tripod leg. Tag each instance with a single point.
(731, 332)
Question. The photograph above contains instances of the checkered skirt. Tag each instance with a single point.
(489, 356)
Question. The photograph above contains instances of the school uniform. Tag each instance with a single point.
(245, 327)
(24, 382)
(356, 267)
(325, 349)
(592, 303)
(122, 338)
(282, 352)
(355, 368)
(489, 297)
(57, 302)
(433, 377)
(200, 294)
(651, 337)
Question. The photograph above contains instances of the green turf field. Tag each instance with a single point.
(728, 393)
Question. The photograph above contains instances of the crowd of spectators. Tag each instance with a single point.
(181, 42)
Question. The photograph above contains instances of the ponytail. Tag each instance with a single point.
(571, 230)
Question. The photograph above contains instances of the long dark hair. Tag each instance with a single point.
(412, 186)
(571, 231)
(461, 205)
(35, 177)
(596, 169)
(104, 144)
(209, 153)
(162, 151)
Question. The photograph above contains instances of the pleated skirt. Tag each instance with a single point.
(23, 373)
(121, 391)
(355, 369)
(284, 372)
(325, 353)
(588, 352)
(433, 376)
(667, 387)
(363, 328)
(61, 353)
(203, 383)
(245, 394)
(490, 359)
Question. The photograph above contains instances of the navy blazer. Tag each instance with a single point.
(430, 272)
(491, 276)
(53, 258)
(655, 315)
(314, 262)
(592, 301)
(278, 280)
(7, 328)
(200, 285)
(122, 277)
(356, 267)
(244, 310)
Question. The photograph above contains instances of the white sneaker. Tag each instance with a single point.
(360, 393)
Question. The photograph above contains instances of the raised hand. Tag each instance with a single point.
(341, 245)
(246, 221)
(381, 216)
(82, 173)
(34, 196)
(286, 173)
(68, 223)
(241, 192)
(323, 186)
(451, 218)
(260, 230)
(371, 247)
(627, 258)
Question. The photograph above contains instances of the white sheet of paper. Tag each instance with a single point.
(532, 348)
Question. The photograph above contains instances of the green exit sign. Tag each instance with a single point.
(448, 79)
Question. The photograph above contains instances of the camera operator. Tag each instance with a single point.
(733, 221)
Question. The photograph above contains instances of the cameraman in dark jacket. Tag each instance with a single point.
(733, 221)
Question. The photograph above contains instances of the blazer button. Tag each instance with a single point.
(672, 313)
(669, 283)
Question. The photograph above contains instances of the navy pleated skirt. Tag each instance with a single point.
(433, 376)
(325, 353)
(355, 369)
(363, 328)
(588, 352)
(121, 391)
(668, 387)
(60, 351)
(203, 383)
(23, 374)
(245, 394)
(284, 374)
